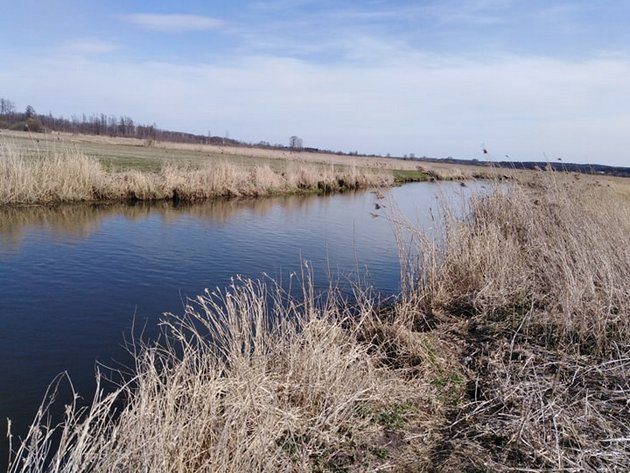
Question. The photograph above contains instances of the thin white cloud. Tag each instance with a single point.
(89, 46)
(173, 23)
(521, 106)
(279, 5)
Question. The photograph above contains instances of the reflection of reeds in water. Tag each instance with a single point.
(224, 210)
(65, 220)
(81, 220)
(69, 176)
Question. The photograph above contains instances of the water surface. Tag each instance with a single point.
(74, 278)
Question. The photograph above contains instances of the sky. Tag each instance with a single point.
(530, 79)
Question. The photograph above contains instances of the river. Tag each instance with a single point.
(74, 279)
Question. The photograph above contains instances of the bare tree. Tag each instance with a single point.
(97, 124)
(295, 142)
(6, 107)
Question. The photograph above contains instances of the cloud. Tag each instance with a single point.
(447, 106)
(89, 46)
(173, 23)
(280, 5)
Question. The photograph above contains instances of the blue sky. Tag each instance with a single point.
(529, 79)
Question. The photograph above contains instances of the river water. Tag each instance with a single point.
(74, 279)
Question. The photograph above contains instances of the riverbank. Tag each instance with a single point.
(507, 349)
(68, 176)
(61, 167)
(124, 154)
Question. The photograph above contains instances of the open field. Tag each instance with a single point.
(125, 154)
(54, 176)
(507, 350)
(61, 167)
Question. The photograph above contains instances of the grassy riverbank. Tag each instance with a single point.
(68, 176)
(124, 154)
(61, 167)
(508, 349)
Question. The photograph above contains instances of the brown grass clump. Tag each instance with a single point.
(246, 382)
(508, 350)
(535, 283)
(67, 176)
(552, 261)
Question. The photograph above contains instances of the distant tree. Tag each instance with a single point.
(112, 126)
(97, 124)
(6, 107)
(126, 126)
(295, 142)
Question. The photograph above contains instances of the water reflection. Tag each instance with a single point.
(79, 221)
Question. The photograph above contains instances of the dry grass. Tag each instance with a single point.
(247, 381)
(508, 351)
(132, 153)
(535, 284)
(556, 251)
(67, 176)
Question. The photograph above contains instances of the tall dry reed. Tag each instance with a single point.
(68, 176)
(247, 381)
(534, 283)
(552, 258)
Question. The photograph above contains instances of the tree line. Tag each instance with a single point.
(124, 126)
(97, 124)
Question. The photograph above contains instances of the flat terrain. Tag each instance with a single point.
(88, 168)
(126, 154)
(123, 154)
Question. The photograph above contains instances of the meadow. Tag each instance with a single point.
(56, 167)
(69, 176)
(507, 349)
(119, 153)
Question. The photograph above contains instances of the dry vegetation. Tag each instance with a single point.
(508, 350)
(132, 153)
(535, 285)
(69, 176)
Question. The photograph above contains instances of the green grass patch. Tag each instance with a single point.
(391, 417)
(402, 176)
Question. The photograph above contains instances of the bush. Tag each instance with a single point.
(34, 125)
